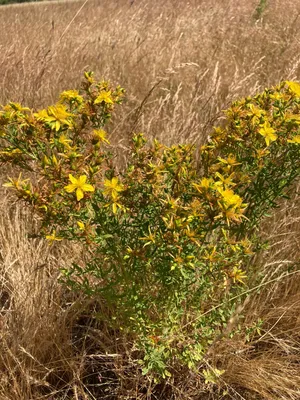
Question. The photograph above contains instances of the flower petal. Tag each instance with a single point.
(114, 182)
(82, 180)
(70, 188)
(72, 179)
(79, 194)
(87, 188)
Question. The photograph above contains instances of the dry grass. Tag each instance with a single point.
(181, 63)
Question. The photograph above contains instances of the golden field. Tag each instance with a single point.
(181, 63)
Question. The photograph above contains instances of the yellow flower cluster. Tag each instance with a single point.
(162, 231)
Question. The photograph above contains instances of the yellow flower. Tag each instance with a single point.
(81, 225)
(260, 153)
(232, 214)
(231, 205)
(104, 97)
(100, 135)
(56, 116)
(192, 235)
(268, 133)
(171, 202)
(276, 96)
(53, 238)
(149, 239)
(230, 199)
(225, 181)
(230, 160)
(15, 107)
(64, 141)
(10, 153)
(295, 140)
(79, 185)
(204, 184)
(71, 95)
(295, 118)
(238, 275)
(294, 87)
(256, 113)
(211, 256)
(16, 183)
(116, 205)
(113, 187)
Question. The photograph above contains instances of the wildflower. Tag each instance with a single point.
(89, 76)
(171, 202)
(115, 206)
(192, 235)
(211, 256)
(72, 96)
(238, 275)
(113, 187)
(230, 198)
(100, 135)
(295, 140)
(56, 116)
(225, 181)
(276, 96)
(295, 118)
(232, 214)
(231, 206)
(10, 153)
(81, 225)
(246, 245)
(256, 113)
(79, 185)
(204, 184)
(64, 141)
(16, 183)
(268, 133)
(149, 239)
(260, 153)
(231, 160)
(294, 87)
(52, 238)
(104, 97)
(15, 108)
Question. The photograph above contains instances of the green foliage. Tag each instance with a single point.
(168, 246)
(260, 9)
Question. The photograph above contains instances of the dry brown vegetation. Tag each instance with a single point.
(181, 64)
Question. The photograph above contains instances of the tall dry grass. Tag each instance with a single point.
(181, 64)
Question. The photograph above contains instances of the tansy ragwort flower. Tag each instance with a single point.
(268, 133)
(79, 185)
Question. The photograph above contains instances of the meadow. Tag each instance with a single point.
(181, 63)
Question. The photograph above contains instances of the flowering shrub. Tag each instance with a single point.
(168, 245)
